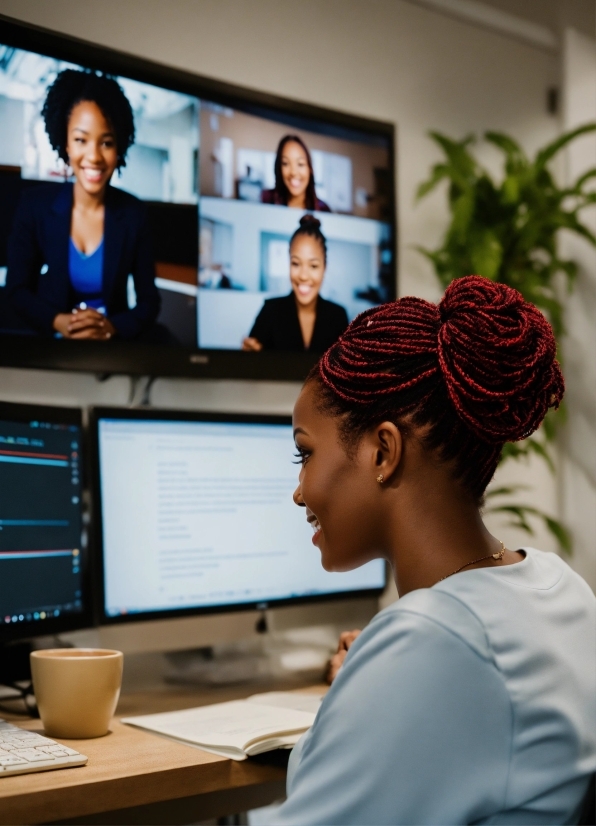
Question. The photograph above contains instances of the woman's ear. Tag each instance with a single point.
(388, 451)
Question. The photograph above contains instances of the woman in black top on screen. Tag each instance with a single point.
(73, 247)
(302, 320)
(294, 177)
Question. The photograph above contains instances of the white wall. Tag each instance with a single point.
(385, 59)
(578, 445)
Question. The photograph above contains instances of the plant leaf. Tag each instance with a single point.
(578, 186)
(486, 254)
(506, 490)
(519, 519)
(439, 172)
(561, 533)
(549, 151)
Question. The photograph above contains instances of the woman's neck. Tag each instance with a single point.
(298, 202)
(86, 201)
(433, 527)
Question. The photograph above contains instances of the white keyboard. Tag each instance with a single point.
(25, 751)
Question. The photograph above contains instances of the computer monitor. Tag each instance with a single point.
(43, 561)
(194, 514)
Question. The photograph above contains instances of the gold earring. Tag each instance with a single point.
(380, 478)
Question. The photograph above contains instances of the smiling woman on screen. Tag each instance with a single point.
(470, 699)
(294, 177)
(302, 320)
(73, 247)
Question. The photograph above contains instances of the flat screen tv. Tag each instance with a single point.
(160, 223)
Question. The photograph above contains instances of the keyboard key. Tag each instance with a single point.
(12, 761)
(24, 751)
(31, 755)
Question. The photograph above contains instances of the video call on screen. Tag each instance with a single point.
(219, 227)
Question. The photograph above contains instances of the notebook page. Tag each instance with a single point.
(288, 699)
(234, 725)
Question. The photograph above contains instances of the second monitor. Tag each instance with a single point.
(194, 513)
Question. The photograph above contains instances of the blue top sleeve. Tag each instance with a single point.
(468, 702)
(397, 737)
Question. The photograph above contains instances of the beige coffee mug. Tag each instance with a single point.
(76, 689)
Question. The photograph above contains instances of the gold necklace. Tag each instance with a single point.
(499, 555)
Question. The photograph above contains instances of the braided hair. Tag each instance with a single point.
(73, 86)
(474, 372)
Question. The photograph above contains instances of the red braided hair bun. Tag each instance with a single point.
(492, 351)
(385, 350)
(498, 358)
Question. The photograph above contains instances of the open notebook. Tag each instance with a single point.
(240, 728)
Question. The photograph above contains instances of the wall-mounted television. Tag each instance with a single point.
(240, 232)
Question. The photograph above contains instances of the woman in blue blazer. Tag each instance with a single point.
(72, 248)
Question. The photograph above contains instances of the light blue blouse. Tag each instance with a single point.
(470, 702)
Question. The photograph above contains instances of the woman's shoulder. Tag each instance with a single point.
(331, 308)
(428, 612)
(277, 310)
(269, 196)
(120, 198)
(43, 195)
(279, 302)
(321, 206)
(488, 608)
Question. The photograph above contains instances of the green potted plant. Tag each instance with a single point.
(508, 231)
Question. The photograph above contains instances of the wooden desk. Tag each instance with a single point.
(136, 777)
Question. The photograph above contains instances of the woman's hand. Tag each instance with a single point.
(252, 344)
(84, 324)
(61, 324)
(337, 660)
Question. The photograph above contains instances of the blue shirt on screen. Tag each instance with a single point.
(470, 702)
(86, 276)
(38, 281)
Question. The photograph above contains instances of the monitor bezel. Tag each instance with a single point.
(148, 414)
(132, 358)
(10, 411)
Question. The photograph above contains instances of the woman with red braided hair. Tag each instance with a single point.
(472, 698)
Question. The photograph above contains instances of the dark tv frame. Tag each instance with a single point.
(158, 360)
(96, 535)
(75, 620)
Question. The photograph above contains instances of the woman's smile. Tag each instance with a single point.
(338, 498)
(307, 269)
(92, 174)
(305, 289)
(314, 523)
(295, 169)
(297, 185)
(92, 150)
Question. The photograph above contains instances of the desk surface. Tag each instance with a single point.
(133, 770)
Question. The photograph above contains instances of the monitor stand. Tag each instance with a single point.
(15, 677)
(272, 656)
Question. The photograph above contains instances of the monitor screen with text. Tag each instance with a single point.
(42, 537)
(199, 514)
